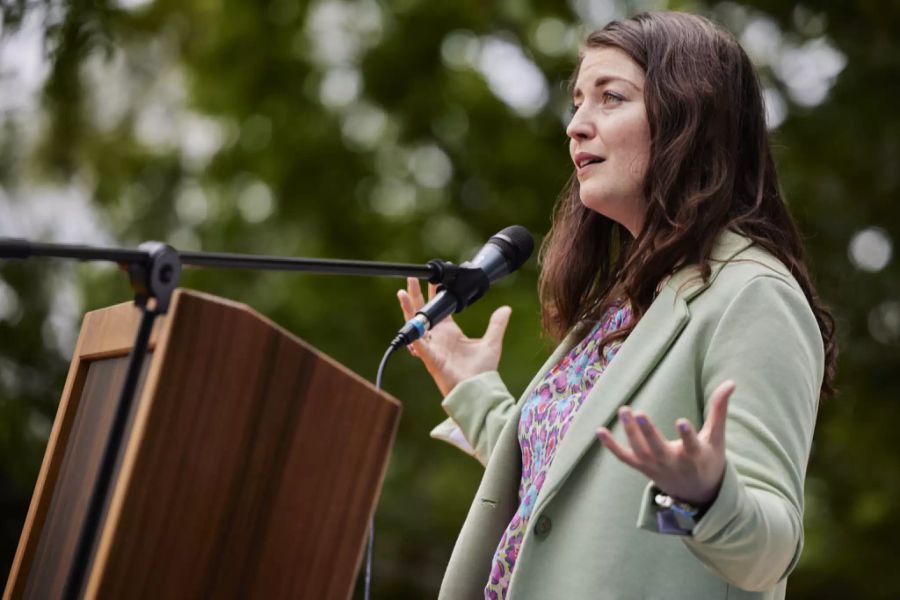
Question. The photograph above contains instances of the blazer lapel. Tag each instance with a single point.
(636, 358)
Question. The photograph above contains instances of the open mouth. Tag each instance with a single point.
(589, 161)
(585, 159)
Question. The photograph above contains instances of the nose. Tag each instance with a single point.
(580, 127)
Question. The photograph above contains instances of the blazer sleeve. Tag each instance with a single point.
(769, 343)
(478, 408)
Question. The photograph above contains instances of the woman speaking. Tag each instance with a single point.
(661, 450)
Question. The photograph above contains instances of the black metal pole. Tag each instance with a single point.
(433, 271)
(154, 274)
(87, 538)
(20, 248)
(312, 265)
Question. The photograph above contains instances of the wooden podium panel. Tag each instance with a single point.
(251, 466)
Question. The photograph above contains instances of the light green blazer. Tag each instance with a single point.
(751, 323)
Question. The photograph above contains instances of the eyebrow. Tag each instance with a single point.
(603, 80)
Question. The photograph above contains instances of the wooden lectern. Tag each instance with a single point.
(250, 469)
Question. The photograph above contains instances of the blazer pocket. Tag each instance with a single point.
(488, 503)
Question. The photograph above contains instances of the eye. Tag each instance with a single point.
(612, 98)
(573, 108)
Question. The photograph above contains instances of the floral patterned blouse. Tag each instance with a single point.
(544, 420)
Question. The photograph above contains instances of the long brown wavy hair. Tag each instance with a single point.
(710, 169)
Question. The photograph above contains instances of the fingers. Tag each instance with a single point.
(497, 324)
(688, 436)
(714, 428)
(406, 304)
(633, 433)
(410, 302)
(655, 442)
(432, 290)
(623, 454)
(415, 292)
(651, 450)
(691, 467)
(410, 298)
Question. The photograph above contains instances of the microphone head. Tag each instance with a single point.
(516, 244)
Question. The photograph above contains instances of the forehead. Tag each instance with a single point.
(607, 63)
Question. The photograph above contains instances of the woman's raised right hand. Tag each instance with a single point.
(445, 350)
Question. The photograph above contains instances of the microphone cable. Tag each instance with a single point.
(371, 541)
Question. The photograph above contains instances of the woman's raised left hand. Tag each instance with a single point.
(690, 468)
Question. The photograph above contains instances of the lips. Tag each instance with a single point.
(585, 159)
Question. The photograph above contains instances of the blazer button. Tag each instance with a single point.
(543, 526)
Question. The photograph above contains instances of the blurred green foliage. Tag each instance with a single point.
(371, 130)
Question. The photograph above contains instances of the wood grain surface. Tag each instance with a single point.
(252, 467)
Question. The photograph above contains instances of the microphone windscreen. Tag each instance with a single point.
(517, 245)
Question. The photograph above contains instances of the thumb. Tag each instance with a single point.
(497, 325)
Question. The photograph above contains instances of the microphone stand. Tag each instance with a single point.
(153, 271)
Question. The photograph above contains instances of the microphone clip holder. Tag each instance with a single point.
(154, 279)
(465, 284)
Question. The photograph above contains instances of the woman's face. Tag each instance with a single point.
(609, 136)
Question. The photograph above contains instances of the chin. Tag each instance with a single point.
(599, 204)
(610, 208)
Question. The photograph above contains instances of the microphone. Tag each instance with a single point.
(501, 255)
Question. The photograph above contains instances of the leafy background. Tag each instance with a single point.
(407, 130)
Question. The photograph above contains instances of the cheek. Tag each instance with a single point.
(639, 151)
(631, 136)
(640, 158)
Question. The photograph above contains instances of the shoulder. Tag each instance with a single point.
(735, 264)
(749, 286)
(753, 262)
(753, 273)
(752, 309)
